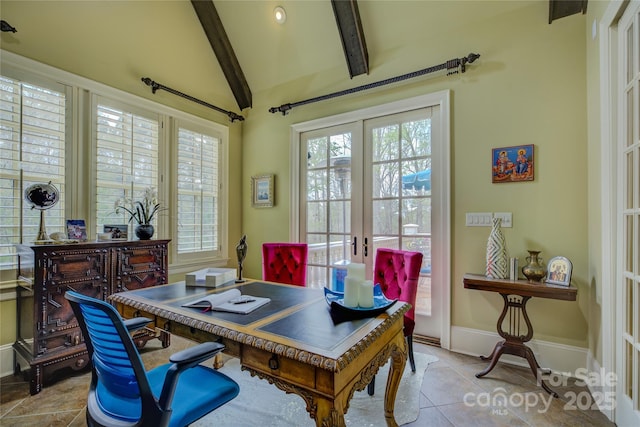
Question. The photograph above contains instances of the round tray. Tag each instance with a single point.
(336, 302)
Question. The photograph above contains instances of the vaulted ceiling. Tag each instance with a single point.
(121, 41)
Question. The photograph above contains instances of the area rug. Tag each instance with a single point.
(262, 404)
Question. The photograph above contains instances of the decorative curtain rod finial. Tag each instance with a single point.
(6, 27)
(284, 109)
(154, 86)
(472, 57)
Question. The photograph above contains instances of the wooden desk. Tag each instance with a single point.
(515, 294)
(292, 342)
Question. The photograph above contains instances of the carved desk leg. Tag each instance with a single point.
(398, 362)
(329, 413)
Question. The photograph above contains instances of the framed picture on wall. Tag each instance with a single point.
(262, 192)
(512, 164)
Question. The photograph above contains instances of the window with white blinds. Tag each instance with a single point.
(198, 191)
(33, 137)
(127, 147)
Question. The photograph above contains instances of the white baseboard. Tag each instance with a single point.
(602, 387)
(554, 356)
(6, 360)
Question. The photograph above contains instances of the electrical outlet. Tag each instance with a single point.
(478, 219)
(506, 219)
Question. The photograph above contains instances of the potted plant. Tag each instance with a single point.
(142, 212)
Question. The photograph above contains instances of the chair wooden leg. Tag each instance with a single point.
(372, 386)
(410, 348)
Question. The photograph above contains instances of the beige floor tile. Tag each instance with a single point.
(430, 417)
(474, 415)
(444, 386)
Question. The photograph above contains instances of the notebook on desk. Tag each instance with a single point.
(231, 301)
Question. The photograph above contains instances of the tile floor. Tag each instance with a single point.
(451, 396)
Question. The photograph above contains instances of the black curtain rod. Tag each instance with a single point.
(451, 65)
(155, 86)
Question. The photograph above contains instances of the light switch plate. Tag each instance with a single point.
(506, 219)
(478, 219)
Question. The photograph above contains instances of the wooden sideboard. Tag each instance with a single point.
(48, 335)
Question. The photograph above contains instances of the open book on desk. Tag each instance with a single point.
(231, 301)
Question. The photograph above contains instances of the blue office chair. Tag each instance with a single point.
(123, 394)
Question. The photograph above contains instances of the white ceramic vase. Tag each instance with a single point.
(497, 264)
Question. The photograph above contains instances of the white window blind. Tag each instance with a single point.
(127, 146)
(32, 150)
(197, 181)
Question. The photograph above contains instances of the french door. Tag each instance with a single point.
(366, 184)
(628, 277)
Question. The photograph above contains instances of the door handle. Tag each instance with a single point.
(355, 245)
(365, 247)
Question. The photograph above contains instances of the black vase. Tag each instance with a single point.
(144, 231)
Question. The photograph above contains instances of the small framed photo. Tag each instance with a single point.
(559, 271)
(512, 164)
(262, 193)
(76, 229)
(117, 231)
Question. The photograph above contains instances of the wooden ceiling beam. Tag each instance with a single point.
(353, 42)
(212, 25)
(561, 8)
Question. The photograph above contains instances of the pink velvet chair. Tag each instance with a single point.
(398, 273)
(285, 263)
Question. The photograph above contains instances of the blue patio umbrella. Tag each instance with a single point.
(417, 181)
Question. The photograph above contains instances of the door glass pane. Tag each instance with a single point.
(316, 152)
(385, 143)
(628, 258)
(628, 378)
(316, 217)
(416, 139)
(417, 217)
(340, 217)
(401, 192)
(318, 249)
(385, 220)
(628, 305)
(328, 208)
(628, 193)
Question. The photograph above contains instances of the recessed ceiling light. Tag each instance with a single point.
(280, 14)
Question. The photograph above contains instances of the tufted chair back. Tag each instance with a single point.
(398, 273)
(285, 263)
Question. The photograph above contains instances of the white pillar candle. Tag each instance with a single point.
(365, 295)
(355, 271)
(351, 291)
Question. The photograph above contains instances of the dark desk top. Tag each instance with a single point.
(298, 318)
(523, 288)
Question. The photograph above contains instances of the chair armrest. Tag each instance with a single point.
(136, 323)
(194, 355)
(182, 360)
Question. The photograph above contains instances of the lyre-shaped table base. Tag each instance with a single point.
(514, 342)
(515, 294)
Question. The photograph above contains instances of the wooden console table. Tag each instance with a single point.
(515, 294)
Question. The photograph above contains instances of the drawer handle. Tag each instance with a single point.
(273, 362)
